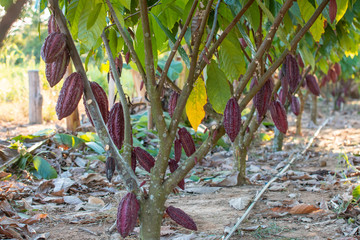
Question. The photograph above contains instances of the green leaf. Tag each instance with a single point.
(217, 87)
(252, 14)
(265, 137)
(93, 17)
(356, 192)
(43, 168)
(342, 6)
(126, 3)
(89, 137)
(68, 140)
(307, 56)
(96, 147)
(195, 104)
(181, 51)
(307, 10)
(231, 59)
(74, 13)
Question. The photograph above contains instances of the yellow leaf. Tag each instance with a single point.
(105, 68)
(307, 10)
(195, 104)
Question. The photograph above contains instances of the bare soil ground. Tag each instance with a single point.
(310, 201)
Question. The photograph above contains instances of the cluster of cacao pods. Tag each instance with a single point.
(290, 75)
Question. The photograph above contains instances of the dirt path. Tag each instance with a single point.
(321, 179)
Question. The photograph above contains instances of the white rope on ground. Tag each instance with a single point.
(257, 197)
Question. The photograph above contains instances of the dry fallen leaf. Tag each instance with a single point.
(303, 209)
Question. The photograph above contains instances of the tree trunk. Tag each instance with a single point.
(35, 98)
(314, 108)
(151, 215)
(240, 154)
(278, 140)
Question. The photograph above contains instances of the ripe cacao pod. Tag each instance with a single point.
(232, 118)
(312, 84)
(144, 158)
(102, 101)
(172, 103)
(70, 95)
(187, 141)
(53, 47)
(324, 80)
(262, 98)
(181, 218)
(127, 214)
(52, 25)
(116, 125)
(332, 75)
(332, 10)
(127, 57)
(300, 61)
(278, 115)
(177, 150)
(110, 168)
(55, 71)
(337, 68)
(295, 105)
(173, 165)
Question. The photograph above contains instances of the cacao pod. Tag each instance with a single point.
(332, 75)
(312, 84)
(102, 101)
(133, 160)
(232, 118)
(173, 165)
(177, 150)
(127, 214)
(52, 25)
(324, 80)
(181, 218)
(262, 98)
(144, 158)
(54, 45)
(127, 57)
(55, 71)
(116, 125)
(172, 103)
(295, 105)
(243, 42)
(337, 68)
(70, 95)
(332, 10)
(300, 61)
(110, 168)
(187, 141)
(119, 64)
(278, 115)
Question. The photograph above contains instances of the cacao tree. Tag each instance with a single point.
(222, 44)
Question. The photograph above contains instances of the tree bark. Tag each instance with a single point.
(314, 108)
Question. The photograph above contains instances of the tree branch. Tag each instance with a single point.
(124, 169)
(9, 18)
(127, 120)
(279, 61)
(176, 46)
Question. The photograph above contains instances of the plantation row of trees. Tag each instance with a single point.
(236, 52)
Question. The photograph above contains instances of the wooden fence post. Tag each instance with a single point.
(35, 98)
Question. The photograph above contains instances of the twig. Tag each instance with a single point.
(176, 46)
(257, 197)
(168, 81)
(123, 100)
(9, 18)
(207, 45)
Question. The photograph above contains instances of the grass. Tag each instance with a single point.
(14, 91)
